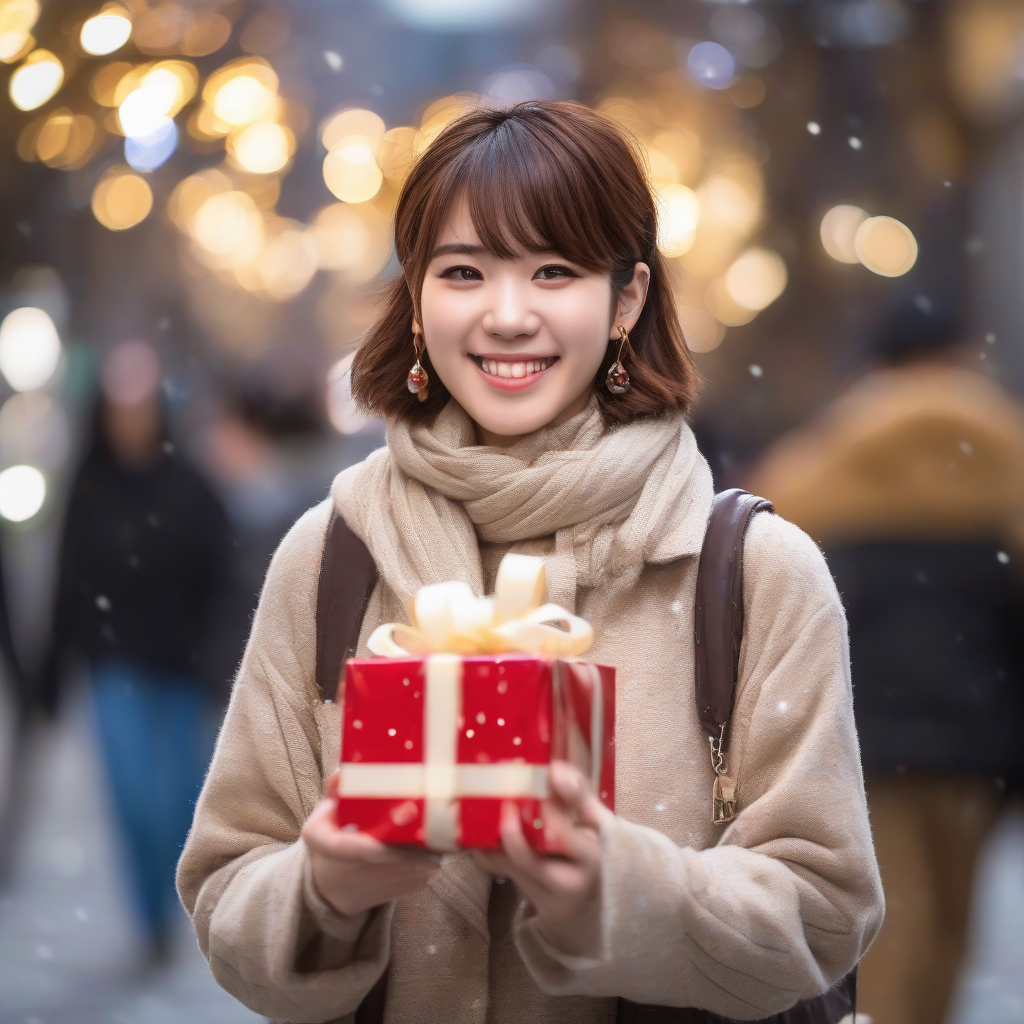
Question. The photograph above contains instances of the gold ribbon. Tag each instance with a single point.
(449, 618)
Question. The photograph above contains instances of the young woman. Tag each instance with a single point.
(528, 242)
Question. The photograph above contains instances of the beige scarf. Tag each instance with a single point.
(612, 497)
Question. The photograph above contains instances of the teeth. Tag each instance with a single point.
(523, 369)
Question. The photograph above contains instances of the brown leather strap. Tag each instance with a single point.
(718, 615)
(347, 578)
(718, 632)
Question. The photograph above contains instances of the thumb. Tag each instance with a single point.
(331, 783)
(569, 785)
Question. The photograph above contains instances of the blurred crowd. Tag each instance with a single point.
(195, 206)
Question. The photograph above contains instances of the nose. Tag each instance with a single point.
(509, 315)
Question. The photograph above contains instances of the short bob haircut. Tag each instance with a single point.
(538, 177)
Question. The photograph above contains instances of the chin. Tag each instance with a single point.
(513, 422)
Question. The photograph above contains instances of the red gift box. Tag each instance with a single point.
(431, 747)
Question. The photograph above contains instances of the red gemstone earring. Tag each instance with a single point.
(418, 381)
(617, 379)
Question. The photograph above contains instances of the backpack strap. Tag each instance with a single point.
(347, 578)
(718, 630)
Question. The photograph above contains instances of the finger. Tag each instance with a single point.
(578, 843)
(331, 783)
(321, 832)
(572, 788)
(519, 852)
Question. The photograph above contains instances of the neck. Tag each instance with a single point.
(491, 440)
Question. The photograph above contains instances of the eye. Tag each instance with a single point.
(463, 274)
(554, 272)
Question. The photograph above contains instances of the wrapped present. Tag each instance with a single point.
(466, 709)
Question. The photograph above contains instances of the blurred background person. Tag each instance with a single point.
(144, 558)
(913, 480)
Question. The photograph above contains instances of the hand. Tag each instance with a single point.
(352, 870)
(564, 890)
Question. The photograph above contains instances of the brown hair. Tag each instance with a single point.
(538, 177)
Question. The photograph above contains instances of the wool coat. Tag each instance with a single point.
(743, 920)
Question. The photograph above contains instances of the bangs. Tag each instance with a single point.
(531, 190)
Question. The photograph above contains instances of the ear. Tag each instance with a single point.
(631, 301)
(416, 326)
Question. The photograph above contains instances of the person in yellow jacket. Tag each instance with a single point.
(913, 482)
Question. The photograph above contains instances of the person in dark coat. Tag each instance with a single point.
(913, 481)
(144, 560)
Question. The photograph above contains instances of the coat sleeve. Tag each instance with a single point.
(790, 897)
(244, 876)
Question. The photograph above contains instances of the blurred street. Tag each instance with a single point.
(69, 949)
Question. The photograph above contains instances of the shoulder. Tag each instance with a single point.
(297, 558)
(784, 572)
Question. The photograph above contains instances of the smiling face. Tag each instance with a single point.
(518, 342)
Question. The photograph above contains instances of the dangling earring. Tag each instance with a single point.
(418, 381)
(617, 379)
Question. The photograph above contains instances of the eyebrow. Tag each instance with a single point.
(456, 249)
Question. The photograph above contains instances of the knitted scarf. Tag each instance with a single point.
(611, 497)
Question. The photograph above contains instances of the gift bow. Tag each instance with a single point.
(449, 618)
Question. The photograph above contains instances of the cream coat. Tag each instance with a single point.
(742, 921)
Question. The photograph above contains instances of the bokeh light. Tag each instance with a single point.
(149, 153)
(161, 93)
(29, 348)
(838, 230)
(886, 246)
(397, 152)
(22, 493)
(205, 34)
(242, 92)
(353, 240)
(121, 199)
(17, 18)
(712, 65)
(355, 122)
(261, 148)
(724, 307)
(678, 215)
(287, 262)
(65, 139)
(106, 32)
(36, 81)
(351, 172)
(190, 194)
(756, 279)
(228, 226)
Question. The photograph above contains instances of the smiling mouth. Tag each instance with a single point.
(519, 370)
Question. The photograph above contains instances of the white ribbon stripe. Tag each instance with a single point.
(402, 780)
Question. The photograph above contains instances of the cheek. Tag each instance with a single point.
(581, 325)
(447, 315)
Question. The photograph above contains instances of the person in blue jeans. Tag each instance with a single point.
(145, 563)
